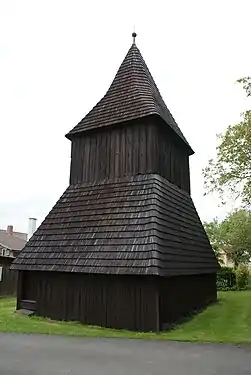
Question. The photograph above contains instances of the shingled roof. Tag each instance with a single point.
(11, 242)
(133, 225)
(133, 94)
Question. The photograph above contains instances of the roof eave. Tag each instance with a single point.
(74, 134)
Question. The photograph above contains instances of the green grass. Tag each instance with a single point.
(227, 321)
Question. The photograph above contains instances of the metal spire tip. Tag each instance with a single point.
(134, 37)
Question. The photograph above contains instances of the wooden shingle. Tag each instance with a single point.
(134, 225)
(132, 95)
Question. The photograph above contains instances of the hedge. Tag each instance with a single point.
(226, 279)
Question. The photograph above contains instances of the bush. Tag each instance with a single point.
(224, 270)
(242, 275)
(226, 279)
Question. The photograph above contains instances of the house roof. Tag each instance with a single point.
(133, 94)
(21, 235)
(134, 225)
(11, 241)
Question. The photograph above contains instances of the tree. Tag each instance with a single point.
(232, 236)
(246, 84)
(230, 171)
(213, 232)
(236, 231)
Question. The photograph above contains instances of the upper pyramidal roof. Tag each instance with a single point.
(133, 94)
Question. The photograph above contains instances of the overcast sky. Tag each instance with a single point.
(58, 58)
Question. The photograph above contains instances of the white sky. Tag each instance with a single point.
(57, 59)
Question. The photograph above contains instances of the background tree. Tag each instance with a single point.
(213, 231)
(230, 171)
(232, 236)
(246, 83)
(236, 232)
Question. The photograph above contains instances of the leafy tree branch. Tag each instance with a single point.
(230, 171)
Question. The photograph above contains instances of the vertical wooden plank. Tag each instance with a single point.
(187, 171)
(123, 152)
(92, 157)
(20, 288)
(112, 153)
(157, 304)
(177, 167)
(86, 151)
(155, 149)
(163, 157)
(108, 304)
(105, 301)
(108, 154)
(166, 158)
(97, 160)
(117, 153)
(135, 149)
(81, 301)
(73, 164)
(129, 152)
(172, 169)
(161, 148)
(38, 304)
(80, 159)
(78, 167)
(169, 160)
(149, 149)
(103, 156)
(142, 148)
(182, 170)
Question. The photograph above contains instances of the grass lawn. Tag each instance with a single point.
(227, 321)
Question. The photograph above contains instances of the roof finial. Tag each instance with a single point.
(134, 36)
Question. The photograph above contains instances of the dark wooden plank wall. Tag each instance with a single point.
(127, 302)
(173, 162)
(138, 148)
(140, 303)
(119, 152)
(30, 285)
(8, 285)
(182, 295)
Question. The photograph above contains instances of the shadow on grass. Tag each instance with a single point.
(167, 327)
